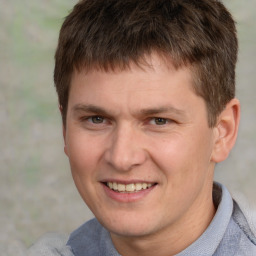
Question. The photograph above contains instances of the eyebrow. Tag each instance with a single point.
(161, 110)
(90, 108)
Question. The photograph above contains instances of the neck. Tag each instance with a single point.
(174, 238)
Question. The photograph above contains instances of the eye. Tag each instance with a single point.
(159, 121)
(96, 119)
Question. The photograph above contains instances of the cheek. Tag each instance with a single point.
(82, 155)
(84, 159)
(174, 151)
(183, 155)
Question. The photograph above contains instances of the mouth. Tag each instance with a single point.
(128, 188)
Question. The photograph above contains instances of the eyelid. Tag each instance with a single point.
(99, 117)
(89, 118)
(168, 120)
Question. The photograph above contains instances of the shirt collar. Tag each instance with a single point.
(208, 242)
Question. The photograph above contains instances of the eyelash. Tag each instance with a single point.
(90, 119)
(154, 121)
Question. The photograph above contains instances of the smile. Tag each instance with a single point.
(133, 187)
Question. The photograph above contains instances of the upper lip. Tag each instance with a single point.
(132, 181)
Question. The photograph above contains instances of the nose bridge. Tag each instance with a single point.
(126, 149)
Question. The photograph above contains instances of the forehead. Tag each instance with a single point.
(155, 85)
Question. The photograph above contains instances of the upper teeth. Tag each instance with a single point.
(128, 187)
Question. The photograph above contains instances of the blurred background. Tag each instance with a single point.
(37, 194)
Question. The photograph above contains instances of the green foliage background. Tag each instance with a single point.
(36, 190)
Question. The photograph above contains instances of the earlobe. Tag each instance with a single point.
(226, 131)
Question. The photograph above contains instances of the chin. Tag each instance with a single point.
(130, 226)
(130, 231)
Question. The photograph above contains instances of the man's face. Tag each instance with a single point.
(140, 147)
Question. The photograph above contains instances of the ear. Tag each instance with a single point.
(226, 131)
(63, 131)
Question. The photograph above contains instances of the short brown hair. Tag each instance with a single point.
(110, 34)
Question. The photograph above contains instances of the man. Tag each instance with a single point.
(147, 97)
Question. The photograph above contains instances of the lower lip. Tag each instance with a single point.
(129, 196)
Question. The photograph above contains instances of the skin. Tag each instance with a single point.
(146, 125)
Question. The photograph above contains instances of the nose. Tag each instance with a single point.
(125, 150)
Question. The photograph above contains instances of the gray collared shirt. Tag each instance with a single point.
(228, 234)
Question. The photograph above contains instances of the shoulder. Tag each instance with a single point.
(239, 234)
(239, 238)
(51, 244)
(89, 237)
(90, 230)
(245, 220)
(93, 239)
